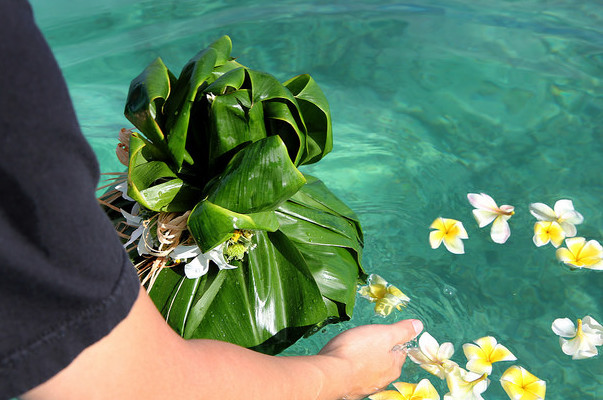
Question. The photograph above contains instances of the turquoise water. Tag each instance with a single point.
(430, 100)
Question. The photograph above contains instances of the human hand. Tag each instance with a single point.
(368, 358)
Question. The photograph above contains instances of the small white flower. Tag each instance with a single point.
(563, 213)
(487, 211)
(199, 265)
(465, 385)
(584, 339)
(432, 357)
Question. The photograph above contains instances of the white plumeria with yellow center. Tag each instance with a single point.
(581, 254)
(386, 296)
(548, 231)
(562, 213)
(423, 390)
(432, 357)
(483, 353)
(519, 384)
(465, 385)
(583, 339)
(449, 231)
(486, 211)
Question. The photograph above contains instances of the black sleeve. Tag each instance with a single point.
(65, 280)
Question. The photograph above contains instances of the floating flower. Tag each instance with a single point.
(581, 254)
(563, 213)
(483, 353)
(432, 357)
(487, 211)
(548, 231)
(584, 339)
(386, 296)
(465, 385)
(451, 232)
(200, 263)
(423, 390)
(522, 385)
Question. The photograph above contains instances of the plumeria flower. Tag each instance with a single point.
(522, 385)
(386, 296)
(563, 213)
(465, 385)
(581, 254)
(450, 231)
(548, 231)
(432, 357)
(423, 390)
(487, 211)
(584, 339)
(200, 263)
(483, 353)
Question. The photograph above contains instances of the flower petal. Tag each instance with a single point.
(500, 231)
(182, 252)
(197, 267)
(542, 212)
(445, 351)
(454, 245)
(387, 395)
(435, 238)
(564, 327)
(565, 212)
(479, 366)
(482, 201)
(429, 346)
(484, 217)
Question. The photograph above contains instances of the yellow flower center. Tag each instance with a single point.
(579, 332)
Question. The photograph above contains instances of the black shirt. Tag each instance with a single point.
(65, 280)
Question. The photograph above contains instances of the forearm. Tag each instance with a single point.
(233, 372)
(143, 358)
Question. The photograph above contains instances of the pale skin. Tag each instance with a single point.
(142, 358)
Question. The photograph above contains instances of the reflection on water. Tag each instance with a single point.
(430, 101)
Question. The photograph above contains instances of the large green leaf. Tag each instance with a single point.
(317, 117)
(211, 224)
(178, 106)
(146, 97)
(154, 185)
(234, 121)
(282, 122)
(258, 178)
(256, 301)
(315, 194)
(329, 237)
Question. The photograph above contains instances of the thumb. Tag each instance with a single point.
(405, 331)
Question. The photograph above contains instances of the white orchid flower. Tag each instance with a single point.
(584, 339)
(563, 213)
(520, 384)
(487, 211)
(483, 353)
(133, 220)
(465, 385)
(123, 188)
(450, 231)
(432, 357)
(199, 265)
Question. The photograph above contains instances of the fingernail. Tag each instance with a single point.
(417, 326)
